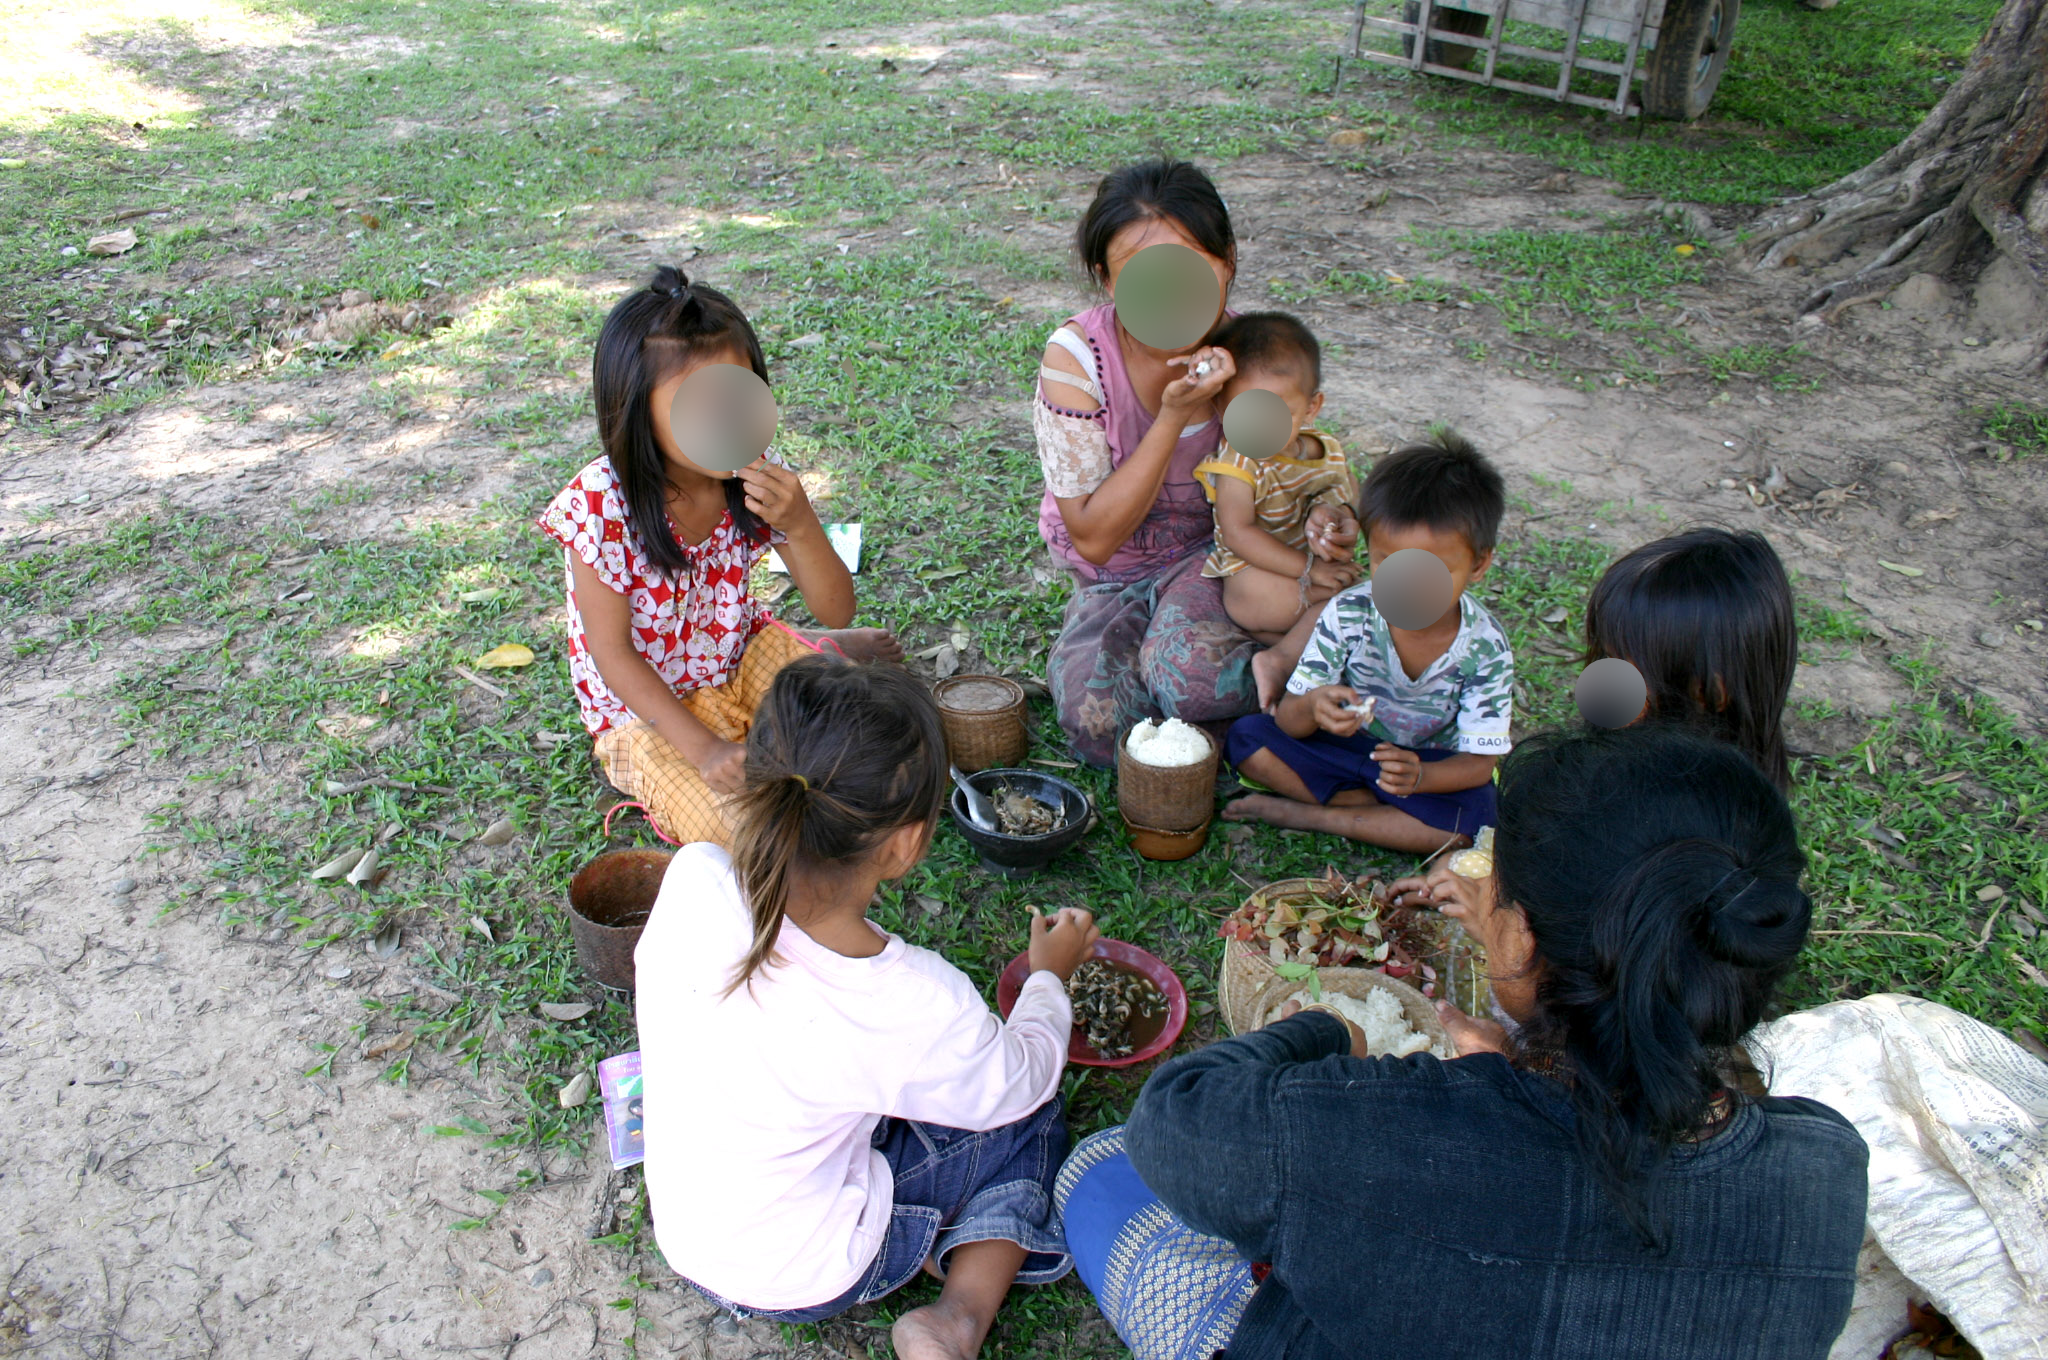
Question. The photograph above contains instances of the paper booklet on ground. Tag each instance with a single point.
(845, 540)
(618, 1081)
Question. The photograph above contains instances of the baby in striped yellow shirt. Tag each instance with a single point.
(1286, 524)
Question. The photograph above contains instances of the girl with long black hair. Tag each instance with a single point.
(669, 650)
(1707, 617)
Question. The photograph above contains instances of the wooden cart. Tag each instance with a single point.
(1676, 49)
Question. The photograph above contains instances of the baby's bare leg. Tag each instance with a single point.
(1266, 604)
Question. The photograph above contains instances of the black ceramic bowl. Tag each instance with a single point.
(1013, 855)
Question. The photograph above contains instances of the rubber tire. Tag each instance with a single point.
(1674, 85)
(1437, 52)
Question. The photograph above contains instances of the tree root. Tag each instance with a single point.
(1965, 170)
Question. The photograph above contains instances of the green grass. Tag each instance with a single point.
(1775, 364)
(2022, 426)
(1609, 296)
(766, 149)
(1807, 97)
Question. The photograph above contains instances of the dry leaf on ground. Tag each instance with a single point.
(510, 656)
(339, 866)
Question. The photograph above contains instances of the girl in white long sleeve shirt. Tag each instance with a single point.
(827, 1107)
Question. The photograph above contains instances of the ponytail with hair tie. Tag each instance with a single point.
(873, 733)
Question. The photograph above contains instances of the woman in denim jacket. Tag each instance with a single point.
(1592, 1184)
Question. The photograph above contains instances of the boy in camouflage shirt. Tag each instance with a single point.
(1389, 735)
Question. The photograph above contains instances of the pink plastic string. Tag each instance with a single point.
(645, 811)
(820, 645)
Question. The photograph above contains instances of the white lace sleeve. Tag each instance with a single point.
(1073, 451)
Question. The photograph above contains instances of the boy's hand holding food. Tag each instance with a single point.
(1400, 769)
(1336, 710)
(1062, 942)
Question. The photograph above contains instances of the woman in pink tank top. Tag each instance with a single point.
(1121, 426)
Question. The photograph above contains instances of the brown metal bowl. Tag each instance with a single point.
(610, 900)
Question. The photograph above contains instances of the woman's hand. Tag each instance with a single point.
(1469, 1035)
(724, 767)
(1062, 942)
(1452, 894)
(1400, 769)
(1189, 392)
(1358, 1049)
(1331, 707)
(776, 494)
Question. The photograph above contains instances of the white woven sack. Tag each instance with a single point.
(1956, 1118)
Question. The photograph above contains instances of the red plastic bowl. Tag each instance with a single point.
(1127, 956)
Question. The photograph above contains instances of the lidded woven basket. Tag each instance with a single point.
(983, 716)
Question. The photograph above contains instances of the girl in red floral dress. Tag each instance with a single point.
(669, 650)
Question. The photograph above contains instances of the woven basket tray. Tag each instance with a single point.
(1166, 798)
(1419, 1011)
(983, 738)
(1459, 960)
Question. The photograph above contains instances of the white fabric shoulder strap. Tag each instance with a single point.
(1078, 347)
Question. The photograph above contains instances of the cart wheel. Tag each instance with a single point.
(1691, 53)
(1437, 52)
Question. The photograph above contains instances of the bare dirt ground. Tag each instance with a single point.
(175, 1186)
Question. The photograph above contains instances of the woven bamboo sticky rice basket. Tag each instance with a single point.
(1459, 960)
(1416, 1008)
(983, 716)
(1166, 797)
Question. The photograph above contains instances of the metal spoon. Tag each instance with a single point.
(980, 810)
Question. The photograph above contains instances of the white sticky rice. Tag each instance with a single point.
(1387, 1031)
(1168, 744)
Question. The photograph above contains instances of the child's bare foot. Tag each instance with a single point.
(937, 1332)
(1372, 823)
(1285, 812)
(860, 644)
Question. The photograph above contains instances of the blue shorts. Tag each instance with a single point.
(1330, 765)
(953, 1187)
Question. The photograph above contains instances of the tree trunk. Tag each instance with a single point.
(1973, 169)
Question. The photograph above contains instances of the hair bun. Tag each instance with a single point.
(1755, 922)
(672, 283)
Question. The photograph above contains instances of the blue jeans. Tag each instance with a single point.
(954, 1187)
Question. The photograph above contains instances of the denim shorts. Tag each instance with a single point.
(953, 1187)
